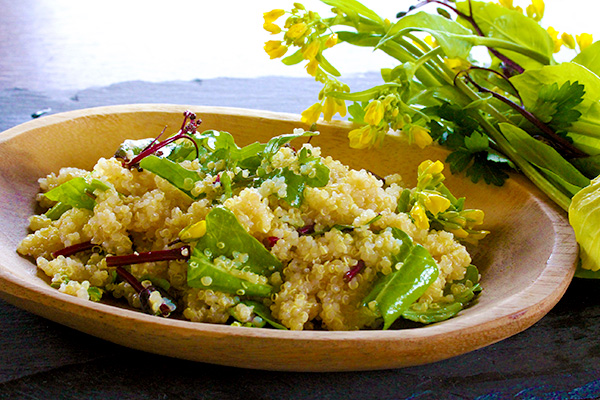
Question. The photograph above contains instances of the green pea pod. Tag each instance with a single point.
(204, 274)
(183, 179)
(394, 293)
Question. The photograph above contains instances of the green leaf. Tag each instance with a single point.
(477, 142)
(394, 293)
(183, 179)
(76, 192)
(555, 104)
(585, 132)
(357, 113)
(584, 217)
(511, 26)
(449, 34)
(277, 142)
(590, 58)
(203, 273)
(225, 235)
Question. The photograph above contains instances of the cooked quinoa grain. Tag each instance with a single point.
(327, 242)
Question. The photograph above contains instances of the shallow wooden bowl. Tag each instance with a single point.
(526, 263)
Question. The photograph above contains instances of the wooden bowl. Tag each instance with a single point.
(526, 262)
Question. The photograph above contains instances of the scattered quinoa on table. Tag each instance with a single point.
(265, 235)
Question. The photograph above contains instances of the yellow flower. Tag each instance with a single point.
(473, 217)
(430, 167)
(557, 41)
(430, 40)
(331, 40)
(272, 15)
(435, 203)
(568, 40)
(296, 31)
(311, 114)
(457, 64)
(271, 27)
(332, 106)
(536, 9)
(310, 52)
(275, 48)
(506, 4)
(193, 231)
(374, 112)
(420, 136)
(312, 67)
(584, 40)
(417, 212)
(360, 138)
(459, 233)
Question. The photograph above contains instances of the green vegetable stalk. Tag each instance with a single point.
(521, 111)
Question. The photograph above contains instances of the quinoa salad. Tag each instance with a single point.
(271, 235)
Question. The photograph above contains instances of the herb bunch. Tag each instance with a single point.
(518, 110)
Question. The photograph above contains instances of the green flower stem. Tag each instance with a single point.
(506, 45)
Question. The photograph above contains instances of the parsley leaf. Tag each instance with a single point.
(555, 105)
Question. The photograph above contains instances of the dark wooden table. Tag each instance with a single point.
(557, 358)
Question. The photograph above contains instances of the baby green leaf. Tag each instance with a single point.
(76, 192)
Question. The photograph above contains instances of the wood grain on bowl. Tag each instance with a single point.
(526, 262)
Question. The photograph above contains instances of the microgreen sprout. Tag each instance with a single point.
(188, 128)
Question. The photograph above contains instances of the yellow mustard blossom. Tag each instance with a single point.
(332, 106)
(435, 203)
(310, 52)
(275, 48)
(311, 114)
(312, 67)
(509, 4)
(271, 27)
(331, 40)
(557, 41)
(270, 17)
(430, 40)
(430, 167)
(536, 10)
(374, 112)
(457, 64)
(568, 40)
(473, 217)
(418, 135)
(417, 212)
(273, 15)
(360, 138)
(296, 31)
(459, 233)
(584, 40)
